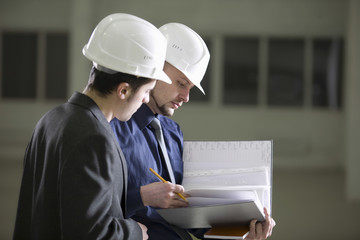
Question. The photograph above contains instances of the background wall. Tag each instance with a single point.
(316, 152)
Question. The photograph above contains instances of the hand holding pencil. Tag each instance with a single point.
(164, 181)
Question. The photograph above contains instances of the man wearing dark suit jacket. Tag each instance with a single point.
(75, 176)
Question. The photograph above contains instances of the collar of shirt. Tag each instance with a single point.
(143, 116)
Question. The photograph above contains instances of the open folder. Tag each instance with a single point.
(229, 182)
(214, 207)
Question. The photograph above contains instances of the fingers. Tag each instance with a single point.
(178, 201)
(252, 230)
(178, 188)
(267, 224)
(272, 224)
(143, 230)
(162, 195)
(186, 194)
(266, 212)
(256, 231)
(261, 230)
(172, 199)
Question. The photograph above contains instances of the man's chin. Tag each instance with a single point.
(168, 112)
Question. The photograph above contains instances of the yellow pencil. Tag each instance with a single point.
(164, 181)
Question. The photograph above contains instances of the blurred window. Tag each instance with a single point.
(327, 72)
(19, 64)
(241, 71)
(286, 72)
(33, 66)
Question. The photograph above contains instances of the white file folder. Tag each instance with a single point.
(238, 165)
(225, 165)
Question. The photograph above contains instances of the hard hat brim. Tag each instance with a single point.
(190, 77)
(162, 76)
(200, 88)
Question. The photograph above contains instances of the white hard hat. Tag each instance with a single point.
(125, 43)
(186, 51)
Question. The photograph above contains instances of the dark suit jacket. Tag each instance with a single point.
(75, 177)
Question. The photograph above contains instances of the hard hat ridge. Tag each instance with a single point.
(186, 51)
(125, 43)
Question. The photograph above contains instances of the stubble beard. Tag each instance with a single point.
(163, 109)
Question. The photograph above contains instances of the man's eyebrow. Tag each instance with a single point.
(186, 80)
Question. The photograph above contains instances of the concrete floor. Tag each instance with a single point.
(306, 204)
(312, 205)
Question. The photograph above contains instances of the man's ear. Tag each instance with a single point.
(123, 90)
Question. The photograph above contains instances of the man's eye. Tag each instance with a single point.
(181, 84)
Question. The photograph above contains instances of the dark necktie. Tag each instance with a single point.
(155, 123)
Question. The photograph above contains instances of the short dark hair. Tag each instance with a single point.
(105, 83)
